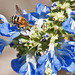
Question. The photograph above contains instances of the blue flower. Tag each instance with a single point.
(42, 62)
(3, 43)
(70, 63)
(46, 36)
(58, 58)
(40, 8)
(41, 14)
(12, 31)
(22, 66)
(69, 24)
(49, 60)
(54, 4)
(3, 19)
(46, 61)
(4, 27)
(70, 47)
(68, 56)
(66, 59)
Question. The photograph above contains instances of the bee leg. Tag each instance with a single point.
(18, 27)
(25, 27)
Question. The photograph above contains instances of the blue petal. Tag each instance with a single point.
(56, 64)
(71, 67)
(14, 35)
(39, 8)
(42, 15)
(65, 56)
(46, 36)
(36, 15)
(64, 60)
(44, 62)
(28, 17)
(54, 5)
(73, 15)
(42, 68)
(65, 52)
(42, 8)
(18, 67)
(5, 29)
(69, 48)
(22, 67)
(70, 63)
(72, 50)
(3, 19)
(67, 25)
(32, 22)
(47, 16)
(30, 71)
(46, 9)
(13, 28)
(34, 70)
(24, 12)
(1, 49)
(3, 43)
(42, 58)
(54, 69)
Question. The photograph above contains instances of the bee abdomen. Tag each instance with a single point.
(15, 19)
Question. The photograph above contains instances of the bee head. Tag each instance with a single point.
(11, 19)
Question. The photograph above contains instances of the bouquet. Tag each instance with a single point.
(45, 39)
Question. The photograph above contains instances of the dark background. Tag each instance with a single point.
(7, 8)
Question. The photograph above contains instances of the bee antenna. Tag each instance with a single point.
(16, 7)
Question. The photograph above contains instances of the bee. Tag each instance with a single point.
(19, 20)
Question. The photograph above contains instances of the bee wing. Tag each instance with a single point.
(18, 11)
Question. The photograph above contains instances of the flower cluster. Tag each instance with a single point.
(49, 43)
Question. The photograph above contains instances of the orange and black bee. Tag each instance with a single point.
(21, 21)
